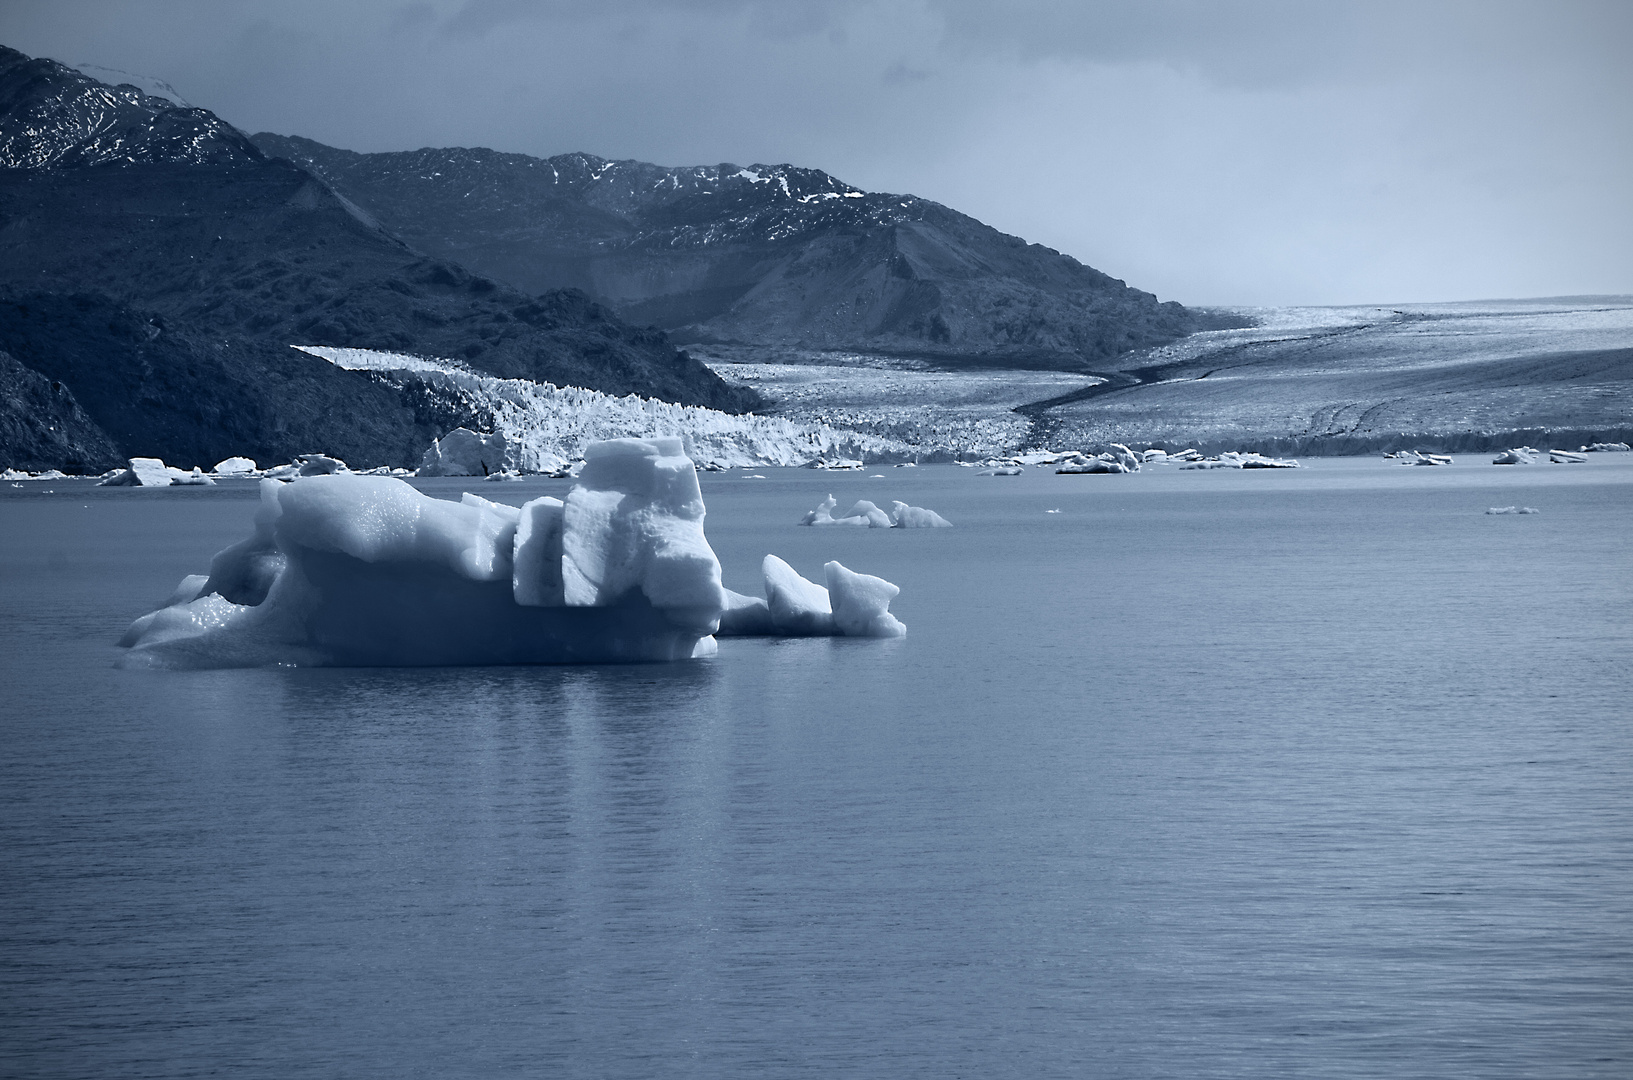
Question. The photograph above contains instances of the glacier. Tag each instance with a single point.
(346, 569)
(545, 427)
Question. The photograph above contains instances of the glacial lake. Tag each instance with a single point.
(1313, 773)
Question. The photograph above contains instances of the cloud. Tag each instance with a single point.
(1255, 151)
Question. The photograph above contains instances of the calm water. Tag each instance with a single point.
(1306, 774)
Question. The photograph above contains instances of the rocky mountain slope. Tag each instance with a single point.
(130, 203)
(765, 255)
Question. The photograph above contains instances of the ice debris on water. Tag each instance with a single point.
(235, 466)
(852, 605)
(1606, 447)
(1418, 457)
(1513, 510)
(344, 569)
(865, 514)
(1520, 455)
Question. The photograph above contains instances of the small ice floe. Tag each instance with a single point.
(1566, 457)
(196, 478)
(877, 476)
(1520, 455)
(1117, 459)
(907, 465)
(755, 476)
(852, 605)
(1055, 511)
(916, 517)
(140, 472)
(1513, 510)
(1234, 460)
(235, 466)
(1092, 465)
(503, 475)
(1154, 455)
(1012, 470)
(832, 463)
(20, 474)
(1606, 448)
(1418, 457)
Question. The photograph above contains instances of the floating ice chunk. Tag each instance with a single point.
(1418, 457)
(357, 570)
(864, 514)
(196, 478)
(1606, 447)
(234, 466)
(1154, 455)
(141, 472)
(868, 513)
(798, 607)
(1520, 455)
(861, 603)
(1566, 457)
(1125, 457)
(1012, 471)
(745, 616)
(1092, 465)
(1513, 510)
(916, 517)
(832, 463)
(319, 465)
(463, 452)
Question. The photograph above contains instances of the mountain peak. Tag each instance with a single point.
(53, 116)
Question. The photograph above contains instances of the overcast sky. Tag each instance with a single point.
(1213, 152)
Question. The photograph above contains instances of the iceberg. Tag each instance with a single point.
(140, 472)
(1520, 455)
(852, 605)
(1513, 510)
(864, 514)
(1566, 457)
(365, 571)
(916, 517)
(1606, 447)
(463, 452)
(235, 466)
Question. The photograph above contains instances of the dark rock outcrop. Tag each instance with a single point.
(43, 427)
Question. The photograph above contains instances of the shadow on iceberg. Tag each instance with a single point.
(350, 570)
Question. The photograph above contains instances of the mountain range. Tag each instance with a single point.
(156, 263)
(764, 255)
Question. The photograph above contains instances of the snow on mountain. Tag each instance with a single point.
(53, 116)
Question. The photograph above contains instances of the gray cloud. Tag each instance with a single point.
(1272, 151)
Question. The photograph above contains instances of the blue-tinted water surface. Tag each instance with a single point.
(1324, 773)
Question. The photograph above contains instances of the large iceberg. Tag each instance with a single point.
(361, 570)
